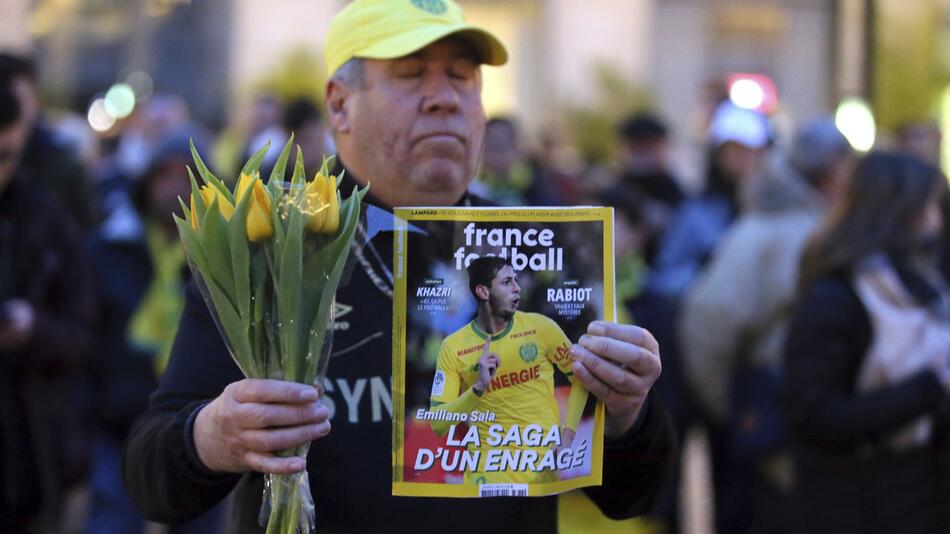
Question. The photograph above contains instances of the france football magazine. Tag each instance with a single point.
(487, 304)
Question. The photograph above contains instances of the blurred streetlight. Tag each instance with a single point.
(753, 91)
(856, 121)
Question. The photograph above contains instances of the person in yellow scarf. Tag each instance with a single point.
(141, 272)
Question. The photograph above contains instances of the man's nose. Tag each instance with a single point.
(440, 95)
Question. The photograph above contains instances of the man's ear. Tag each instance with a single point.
(338, 99)
(482, 292)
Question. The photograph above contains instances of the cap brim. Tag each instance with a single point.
(489, 49)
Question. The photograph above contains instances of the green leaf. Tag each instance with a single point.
(234, 330)
(280, 168)
(254, 164)
(200, 207)
(261, 312)
(206, 174)
(214, 238)
(240, 258)
(290, 265)
(299, 176)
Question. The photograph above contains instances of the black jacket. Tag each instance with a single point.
(846, 482)
(350, 470)
(123, 376)
(42, 446)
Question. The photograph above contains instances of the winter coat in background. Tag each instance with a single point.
(735, 313)
(853, 472)
(42, 442)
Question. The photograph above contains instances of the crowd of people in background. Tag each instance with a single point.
(800, 299)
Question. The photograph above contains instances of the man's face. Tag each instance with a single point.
(414, 129)
(12, 139)
(505, 293)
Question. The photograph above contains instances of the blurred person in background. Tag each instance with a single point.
(47, 313)
(734, 319)
(46, 156)
(646, 172)
(508, 176)
(738, 139)
(119, 170)
(921, 139)
(866, 379)
(266, 124)
(141, 274)
(302, 117)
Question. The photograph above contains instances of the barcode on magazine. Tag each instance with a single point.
(503, 490)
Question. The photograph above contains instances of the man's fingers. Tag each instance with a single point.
(625, 332)
(272, 391)
(487, 349)
(254, 415)
(593, 384)
(268, 463)
(283, 438)
(618, 379)
(634, 357)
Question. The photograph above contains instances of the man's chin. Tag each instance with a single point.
(439, 179)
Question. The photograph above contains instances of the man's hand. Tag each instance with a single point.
(618, 364)
(16, 327)
(252, 419)
(487, 365)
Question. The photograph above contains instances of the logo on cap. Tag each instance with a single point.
(436, 7)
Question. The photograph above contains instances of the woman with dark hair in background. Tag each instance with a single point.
(866, 381)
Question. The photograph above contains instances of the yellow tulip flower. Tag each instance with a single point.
(211, 195)
(333, 213)
(243, 185)
(321, 205)
(260, 226)
(315, 203)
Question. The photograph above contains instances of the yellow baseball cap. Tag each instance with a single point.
(388, 29)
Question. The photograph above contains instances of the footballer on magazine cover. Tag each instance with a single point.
(502, 365)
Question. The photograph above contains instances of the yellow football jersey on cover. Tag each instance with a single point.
(522, 389)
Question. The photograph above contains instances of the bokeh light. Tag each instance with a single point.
(142, 84)
(856, 121)
(101, 116)
(747, 94)
(121, 98)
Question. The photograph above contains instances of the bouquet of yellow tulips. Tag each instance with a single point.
(268, 259)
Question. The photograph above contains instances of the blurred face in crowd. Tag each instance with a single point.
(738, 161)
(25, 90)
(415, 125)
(646, 156)
(12, 139)
(501, 148)
(165, 187)
(311, 139)
(930, 225)
(922, 140)
(837, 176)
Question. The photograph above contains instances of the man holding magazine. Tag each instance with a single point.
(404, 106)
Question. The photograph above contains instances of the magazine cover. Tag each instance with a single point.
(487, 304)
